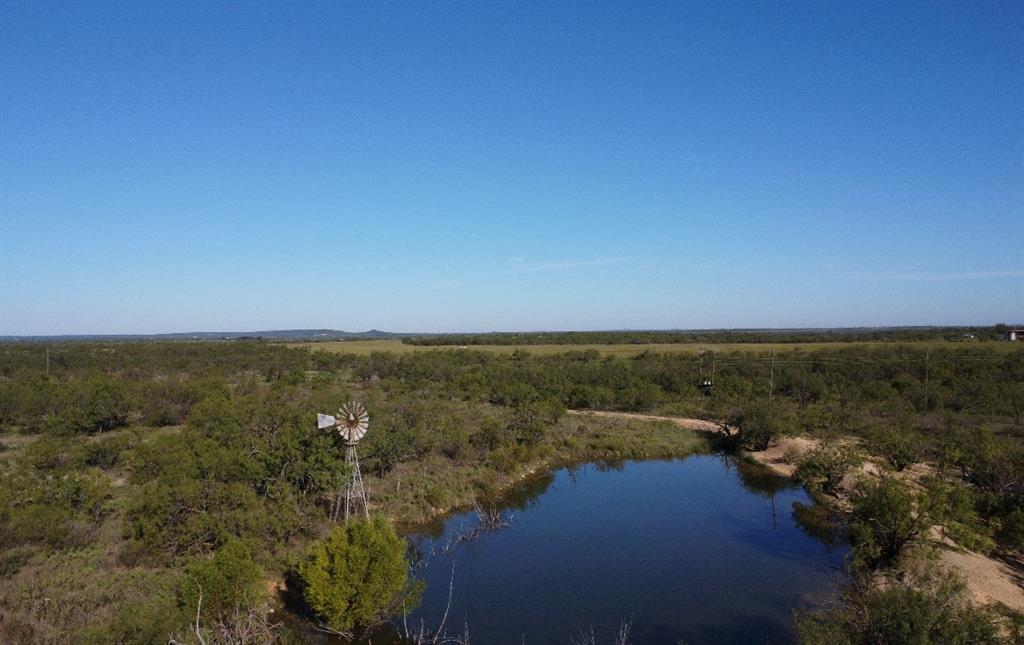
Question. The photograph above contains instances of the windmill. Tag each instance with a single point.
(706, 384)
(352, 422)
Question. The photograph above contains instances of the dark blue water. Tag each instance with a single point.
(702, 550)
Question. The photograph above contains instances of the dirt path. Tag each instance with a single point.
(700, 425)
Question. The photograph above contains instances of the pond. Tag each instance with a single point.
(707, 549)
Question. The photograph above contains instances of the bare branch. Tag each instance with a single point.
(451, 590)
(622, 637)
(199, 606)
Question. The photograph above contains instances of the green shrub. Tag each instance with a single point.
(96, 404)
(106, 452)
(175, 517)
(883, 521)
(898, 445)
(58, 512)
(528, 423)
(357, 575)
(490, 434)
(824, 467)
(228, 580)
(434, 495)
(921, 610)
(149, 612)
(1011, 532)
(760, 424)
(47, 453)
(952, 505)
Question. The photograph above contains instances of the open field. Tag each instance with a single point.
(365, 347)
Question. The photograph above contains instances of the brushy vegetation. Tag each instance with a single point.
(357, 575)
(134, 472)
(823, 468)
(893, 592)
(925, 608)
(884, 521)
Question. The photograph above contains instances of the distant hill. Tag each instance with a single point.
(276, 334)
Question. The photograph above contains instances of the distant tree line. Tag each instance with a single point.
(896, 334)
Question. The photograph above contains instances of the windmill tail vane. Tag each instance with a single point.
(351, 423)
(325, 421)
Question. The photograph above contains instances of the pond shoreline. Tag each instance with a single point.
(775, 459)
(403, 495)
(718, 519)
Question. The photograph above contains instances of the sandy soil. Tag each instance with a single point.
(690, 424)
(988, 579)
(776, 456)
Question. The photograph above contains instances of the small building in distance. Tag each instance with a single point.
(1014, 334)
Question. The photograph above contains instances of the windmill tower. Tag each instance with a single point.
(352, 423)
(707, 383)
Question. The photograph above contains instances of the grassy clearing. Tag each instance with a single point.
(366, 347)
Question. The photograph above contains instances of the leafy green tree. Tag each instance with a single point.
(952, 505)
(526, 426)
(993, 464)
(357, 575)
(824, 467)
(96, 404)
(760, 424)
(898, 445)
(883, 521)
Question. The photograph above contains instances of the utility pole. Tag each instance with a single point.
(927, 358)
(771, 376)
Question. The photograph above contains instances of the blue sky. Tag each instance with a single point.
(509, 166)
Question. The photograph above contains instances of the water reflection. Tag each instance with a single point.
(687, 548)
(519, 497)
(819, 522)
(524, 494)
(760, 479)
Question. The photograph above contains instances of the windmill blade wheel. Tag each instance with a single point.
(353, 421)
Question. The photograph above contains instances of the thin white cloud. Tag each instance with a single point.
(936, 276)
(561, 265)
